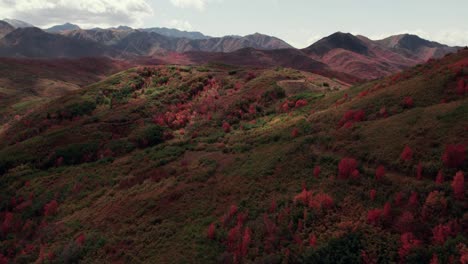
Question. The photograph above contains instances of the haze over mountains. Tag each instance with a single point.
(341, 52)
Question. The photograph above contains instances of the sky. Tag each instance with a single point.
(299, 22)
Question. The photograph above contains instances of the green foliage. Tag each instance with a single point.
(149, 135)
(77, 153)
(346, 249)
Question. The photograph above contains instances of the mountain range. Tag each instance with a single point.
(341, 52)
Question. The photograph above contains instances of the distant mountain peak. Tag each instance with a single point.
(64, 27)
(17, 23)
(338, 40)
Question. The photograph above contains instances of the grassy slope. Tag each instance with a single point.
(154, 204)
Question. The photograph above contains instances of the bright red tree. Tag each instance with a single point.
(379, 172)
(346, 168)
(419, 170)
(372, 194)
(226, 127)
(407, 154)
(211, 232)
(458, 185)
(439, 178)
(316, 171)
(454, 155)
(51, 208)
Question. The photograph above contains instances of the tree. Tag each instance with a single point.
(407, 154)
(379, 172)
(458, 185)
(51, 208)
(316, 171)
(408, 102)
(211, 232)
(346, 168)
(372, 194)
(439, 178)
(373, 216)
(301, 103)
(454, 155)
(419, 171)
(226, 127)
(295, 133)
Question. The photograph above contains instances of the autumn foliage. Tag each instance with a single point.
(407, 154)
(347, 168)
(454, 155)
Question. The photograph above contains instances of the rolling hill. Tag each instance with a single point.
(239, 164)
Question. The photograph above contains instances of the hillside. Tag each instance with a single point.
(28, 83)
(235, 164)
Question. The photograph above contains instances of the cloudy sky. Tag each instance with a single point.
(299, 22)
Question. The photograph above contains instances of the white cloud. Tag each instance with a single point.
(86, 13)
(179, 24)
(198, 4)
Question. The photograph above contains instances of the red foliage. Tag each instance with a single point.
(80, 240)
(408, 102)
(301, 103)
(350, 117)
(372, 194)
(316, 171)
(321, 201)
(313, 241)
(226, 127)
(379, 172)
(434, 259)
(408, 242)
(50, 208)
(434, 206)
(405, 222)
(419, 170)
(246, 239)
(460, 87)
(373, 216)
(295, 133)
(7, 222)
(439, 178)
(355, 174)
(407, 154)
(387, 210)
(303, 197)
(458, 185)
(454, 156)
(3, 259)
(346, 168)
(413, 200)
(211, 232)
(251, 76)
(273, 206)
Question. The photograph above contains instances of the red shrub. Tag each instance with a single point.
(372, 194)
(246, 239)
(316, 171)
(321, 201)
(313, 241)
(398, 199)
(301, 103)
(434, 259)
(346, 167)
(454, 155)
(458, 185)
(211, 232)
(359, 115)
(373, 216)
(295, 133)
(303, 197)
(413, 200)
(355, 174)
(379, 172)
(273, 206)
(387, 210)
(226, 127)
(408, 242)
(419, 171)
(407, 154)
(405, 222)
(50, 208)
(7, 222)
(408, 102)
(80, 240)
(434, 206)
(460, 87)
(440, 178)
